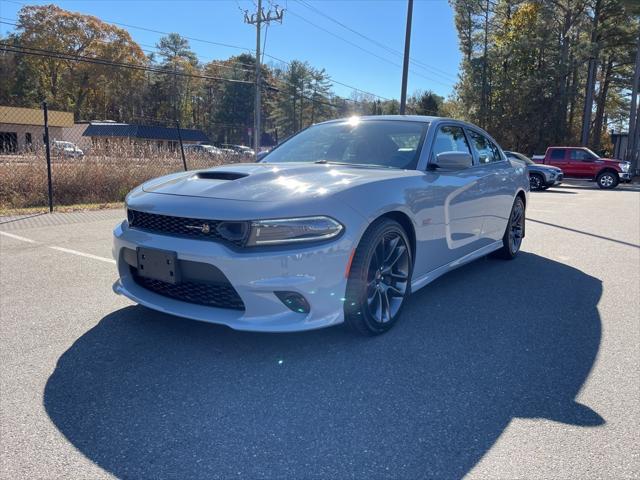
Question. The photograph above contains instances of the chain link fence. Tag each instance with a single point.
(95, 162)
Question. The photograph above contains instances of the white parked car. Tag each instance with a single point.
(203, 149)
(66, 149)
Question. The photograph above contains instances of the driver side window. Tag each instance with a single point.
(580, 156)
(449, 139)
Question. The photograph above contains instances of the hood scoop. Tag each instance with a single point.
(218, 175)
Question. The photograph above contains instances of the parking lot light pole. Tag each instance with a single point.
(405, 63)
(256, 118)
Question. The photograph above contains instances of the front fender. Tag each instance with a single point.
(373, 200)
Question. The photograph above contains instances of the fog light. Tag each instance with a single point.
(294, 301)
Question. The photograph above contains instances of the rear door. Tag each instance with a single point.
(557, 157)
(496, 190)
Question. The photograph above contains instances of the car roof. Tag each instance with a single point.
(407, 118)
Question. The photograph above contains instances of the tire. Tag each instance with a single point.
(379, 280)
(536, 182)
(607, 180)
(515, 226)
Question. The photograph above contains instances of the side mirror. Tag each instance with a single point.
(453, 160)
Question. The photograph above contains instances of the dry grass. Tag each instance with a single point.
(93, 179)
(61, 209)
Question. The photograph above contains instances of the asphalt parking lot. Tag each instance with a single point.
(523, 369)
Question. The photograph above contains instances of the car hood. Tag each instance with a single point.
(612, 160)
(542, 166)
(270, 182)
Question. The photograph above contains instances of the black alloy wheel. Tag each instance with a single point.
(536, 182)
(380, 278)
(514, 233)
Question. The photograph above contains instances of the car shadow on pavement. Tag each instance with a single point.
(555, 190)
(147, 395)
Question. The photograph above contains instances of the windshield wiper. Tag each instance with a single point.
(367, 165)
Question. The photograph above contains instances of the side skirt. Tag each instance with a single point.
(420, 282)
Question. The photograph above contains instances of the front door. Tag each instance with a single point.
(581, 163)
(450, 216)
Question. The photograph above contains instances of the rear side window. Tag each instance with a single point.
(557, 154)
(450, 139)
(487, 151)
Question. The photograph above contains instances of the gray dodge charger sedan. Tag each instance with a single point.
(340, 223)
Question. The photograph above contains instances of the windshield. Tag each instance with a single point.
(385, 143)
(521, 157)
(593, 154)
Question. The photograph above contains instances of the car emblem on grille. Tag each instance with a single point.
(204, 228)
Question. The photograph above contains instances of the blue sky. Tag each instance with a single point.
(434, 43)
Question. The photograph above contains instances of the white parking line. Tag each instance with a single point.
(17, 237)
(60, 249)
(82, 254)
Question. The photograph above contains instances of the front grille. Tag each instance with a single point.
(182, 226)
(220, 295)
(560, 176)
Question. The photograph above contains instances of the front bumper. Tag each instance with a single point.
(553, 180)
(625, 175)
(317, 272)
(557, 180)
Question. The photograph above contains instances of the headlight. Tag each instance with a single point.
(293, 230)
(625, 166)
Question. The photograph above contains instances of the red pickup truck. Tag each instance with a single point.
(580, 162)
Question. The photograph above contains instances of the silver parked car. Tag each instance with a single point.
(339, 223)
(541, 176)
(203, 149)
(239, 149)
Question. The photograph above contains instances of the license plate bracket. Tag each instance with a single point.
(158, 265)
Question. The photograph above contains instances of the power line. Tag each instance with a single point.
(194, 39)
(433, 70)
(94, 60)
(343, 39)
(362, 48)
(201, 59)
(83, 58)
(101, 61)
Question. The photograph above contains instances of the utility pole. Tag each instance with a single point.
(591, 78)
(633, 140)
(258, 19)
(405, 63)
